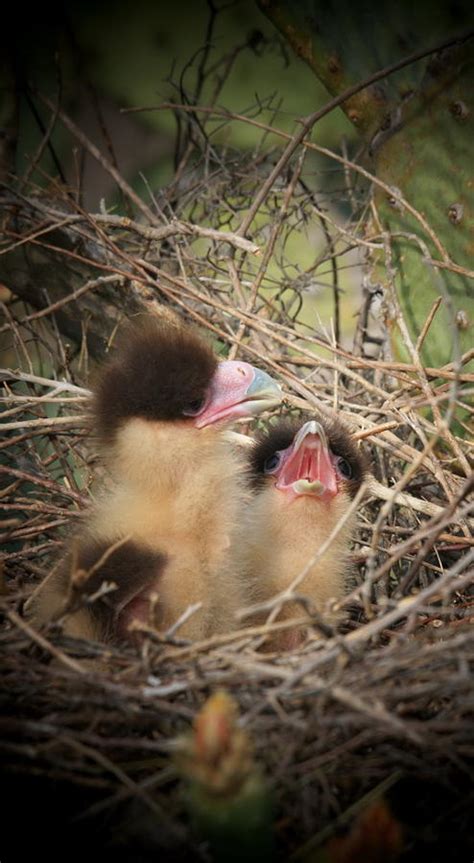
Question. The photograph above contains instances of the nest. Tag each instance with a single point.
(382, 705)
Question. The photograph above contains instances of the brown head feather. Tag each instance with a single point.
(131, 567)
(275, 438)
(280, 437)
(156, 373)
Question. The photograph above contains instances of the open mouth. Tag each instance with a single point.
(135, 610)
(307, 467)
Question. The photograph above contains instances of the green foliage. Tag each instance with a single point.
(430, 161)
(418, 128)
(238, 828)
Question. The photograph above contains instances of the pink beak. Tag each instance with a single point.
(307, 466)
(238, 390)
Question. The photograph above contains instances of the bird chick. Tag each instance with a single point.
(162, 539)
(304, 478)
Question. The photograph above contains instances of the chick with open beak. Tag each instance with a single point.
(305, 477)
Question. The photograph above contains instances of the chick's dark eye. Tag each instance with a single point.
(344, 467)
(195, 407)
(271, 463)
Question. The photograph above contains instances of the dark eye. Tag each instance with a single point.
(195, 407)
(271, 463)
(345, 468)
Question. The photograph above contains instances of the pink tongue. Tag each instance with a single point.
(137, 609)
(298, 467)
(310, 463)
(326, 473)
(307, 466)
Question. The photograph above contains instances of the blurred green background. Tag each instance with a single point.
(126, 55)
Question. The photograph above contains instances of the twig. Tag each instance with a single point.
(44, 643)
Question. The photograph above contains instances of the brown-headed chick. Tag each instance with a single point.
(304, 478)
(169, 525)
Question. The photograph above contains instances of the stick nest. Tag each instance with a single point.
(385, 703)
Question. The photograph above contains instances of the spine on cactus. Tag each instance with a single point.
(228, 799)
